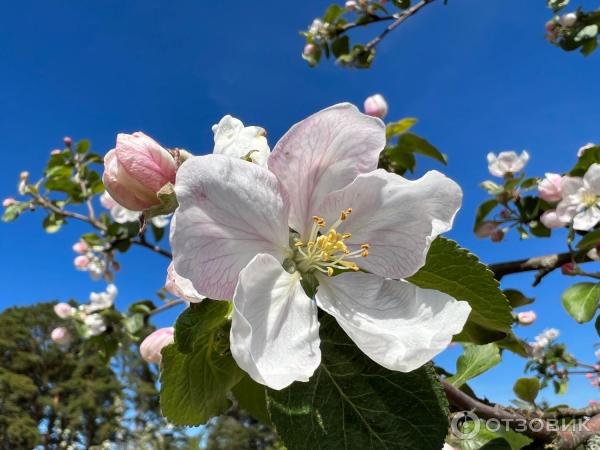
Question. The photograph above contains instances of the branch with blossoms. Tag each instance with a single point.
(318, 283)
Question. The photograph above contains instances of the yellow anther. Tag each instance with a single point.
(319, 221)
(299, 244)
(344, 214)
(330, 271)
(346, 236)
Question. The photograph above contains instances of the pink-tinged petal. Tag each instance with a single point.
(324, 153)
(395, 323)
(181, 287)
(151, 347)
(127, 195)
(145, 160)
(398, 218)
(274, 328)
(229, 211)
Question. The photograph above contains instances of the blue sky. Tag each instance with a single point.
(478, 75)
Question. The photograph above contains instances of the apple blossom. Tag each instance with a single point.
(136, 169)
(376, 106)
(55, 152)
(67, 141)
(151, 347)
(81, 262)
(568, 20)
(80, 247)
(181, 287)
(61, 336)
(64, 310)
(231, 238)
(8, 202)
(233, 139)
(583, 148)
(526, 317)
(581, 200)
(95, 324)
(551, 220)
(550, 187)
(350, 5)
(101, 300)
(23, 178)
(506, 162)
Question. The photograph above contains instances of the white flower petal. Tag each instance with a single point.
(229, 211)
(274, 329)
(235, 140)
(181, 287)
(397, 217)
(570, 185)
(323, 153)
(591, 179)
(587, 219)
(395, 323)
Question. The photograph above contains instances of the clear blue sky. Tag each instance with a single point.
(478, 74)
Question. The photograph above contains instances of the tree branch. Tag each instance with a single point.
(142, 242)
(165, 307)
(399, 19)
(536, 427)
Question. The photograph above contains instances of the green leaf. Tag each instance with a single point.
(517, 298)
(458, 273)
(476, 334)
(589, 240)
(82, 146)
(332, 13)
(581, 301)
(413, 143)
(483, 210)
(399, 127)
(527, 388)
(353, 403)
(598, 325)
(13, 211)
(341, 46)
(195, 383)
(52, 222)
(134, 323)
(252, 397)
(589, 157)
(475, 360)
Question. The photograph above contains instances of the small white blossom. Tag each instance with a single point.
(581, 200)
(95, 324)
(506, 162)
(102, 300)
(233, 139)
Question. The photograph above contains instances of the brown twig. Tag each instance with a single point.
(165, 307)
(399, 18)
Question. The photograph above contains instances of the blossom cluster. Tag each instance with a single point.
(312, 224)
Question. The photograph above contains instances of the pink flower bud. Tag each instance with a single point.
(597, 367)
(68, 141)
(485, 229)
(80, 247)
(8, 202)
(593, 402)
(550, 219)
(568, 269)
(526, 317)
(64, 310)
(376, 106)
(550, 187)
(151, 346)
(61, 336)
(589, 376)
(309, 49)
(497, 235)
(81, 262)
(136, 169)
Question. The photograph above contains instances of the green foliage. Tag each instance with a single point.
(517, 298)
(353, 403)
(475, 360)
(527, 389)
(198, 371)
(237, 431)
(581, 301)
(453, 270)
(252, 398)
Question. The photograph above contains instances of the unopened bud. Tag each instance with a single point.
(497, 235)
(68, 141)
(81, 262)
(80, 247)
(568, 20)
(526, 317)
(64, 310)
(350, 5)
(151, 346)
(55, 152)
(8, 202)
(376, 106)
(61, 336)
(309, 50)
(568, 269)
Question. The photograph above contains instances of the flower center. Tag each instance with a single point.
(588, 198)
(327, 251)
